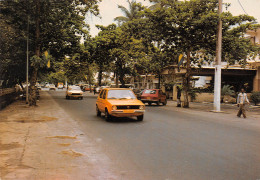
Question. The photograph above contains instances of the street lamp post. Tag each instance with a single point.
(217, 83)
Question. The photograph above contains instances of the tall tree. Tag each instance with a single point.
(55, 25)
(190, 26)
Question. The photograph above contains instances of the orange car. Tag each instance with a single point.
(119, 102)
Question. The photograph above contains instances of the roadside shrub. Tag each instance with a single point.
(255, 97)
(226, 90)
(192, 94)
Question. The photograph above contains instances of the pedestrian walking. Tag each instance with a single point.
(242, 100)
(178, 96)
(94, 90)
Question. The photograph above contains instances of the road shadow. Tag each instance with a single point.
(117, 120)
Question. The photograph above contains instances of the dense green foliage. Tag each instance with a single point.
(54, 25)
(255, 97)
(146, 39)
(227, 90)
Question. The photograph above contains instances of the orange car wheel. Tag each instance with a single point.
(107, 116)
(140, 118)
(98, 111)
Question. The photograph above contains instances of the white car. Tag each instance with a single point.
(52, 87)
(74, 92)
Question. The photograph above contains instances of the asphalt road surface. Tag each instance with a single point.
(172, 143)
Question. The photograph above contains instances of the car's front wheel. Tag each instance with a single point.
(98, 111)
(140, 118)
(107, 116)
(165, 102)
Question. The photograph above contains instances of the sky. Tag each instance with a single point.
(109, 10)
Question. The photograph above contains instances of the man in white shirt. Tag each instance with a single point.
(241, 101)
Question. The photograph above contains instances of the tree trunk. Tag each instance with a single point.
(121, 79)
(117, 85)
(159, 81)
(33, 97)
(100, 76)
(186, 82)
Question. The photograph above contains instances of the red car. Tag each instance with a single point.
(153, 96)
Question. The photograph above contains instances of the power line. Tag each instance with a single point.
(242, 6)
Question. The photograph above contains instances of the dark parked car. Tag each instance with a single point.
(154, 96)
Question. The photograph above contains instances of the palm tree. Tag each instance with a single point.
(158, 4)
(131, 14)
(226, 90)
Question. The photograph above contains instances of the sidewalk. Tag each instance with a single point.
(45, 143)
(252, 111)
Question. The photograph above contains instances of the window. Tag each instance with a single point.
(120, 94)
(104, 94)
(101, 94)
(75, 87)
(150, 91)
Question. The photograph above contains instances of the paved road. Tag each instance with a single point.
(172, 144)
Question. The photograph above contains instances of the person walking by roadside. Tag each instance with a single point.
(242, 100)
(178, 96)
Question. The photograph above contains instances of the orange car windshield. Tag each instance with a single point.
(74, 88)
(120, 94)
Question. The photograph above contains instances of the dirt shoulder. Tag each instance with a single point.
(44, 142)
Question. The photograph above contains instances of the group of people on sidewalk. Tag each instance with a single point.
(242, 101)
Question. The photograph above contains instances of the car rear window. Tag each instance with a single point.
(147, 91)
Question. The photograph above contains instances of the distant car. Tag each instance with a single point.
(39, 87)
(98, 89)
(52, 87)
(87, 88)
(119, 102)
(60, 86)
(153, 96)
(74, 92)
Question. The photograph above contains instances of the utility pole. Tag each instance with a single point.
(217, 83)
(27, 62)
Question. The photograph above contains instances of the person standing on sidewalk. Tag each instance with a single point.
(242, 100)
(178, 96)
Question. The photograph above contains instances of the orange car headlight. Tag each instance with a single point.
(114, 108)
(141, 107)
